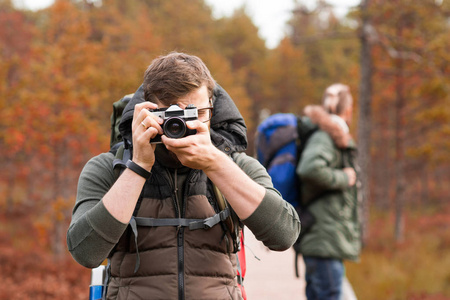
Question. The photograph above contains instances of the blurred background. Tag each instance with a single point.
(64, 63)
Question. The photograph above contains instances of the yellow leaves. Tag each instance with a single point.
(435, 87)
(66, 24)
(424, 151)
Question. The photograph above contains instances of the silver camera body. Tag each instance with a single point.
(175, 118)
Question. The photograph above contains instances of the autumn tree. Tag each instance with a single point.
(57, 112)
(16, 35)
(412, 99)
(286, 84)
(185, 26)
(330, 46)
(238, 41)
(89, 57)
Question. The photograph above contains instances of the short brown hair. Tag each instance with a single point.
(175, 75)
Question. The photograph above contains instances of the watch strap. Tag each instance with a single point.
(138, 169)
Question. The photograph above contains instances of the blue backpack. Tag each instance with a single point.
(280, 141)
(279, 144)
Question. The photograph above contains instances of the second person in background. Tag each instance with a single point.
(329, 188)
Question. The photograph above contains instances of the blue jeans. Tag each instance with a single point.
(323, 278)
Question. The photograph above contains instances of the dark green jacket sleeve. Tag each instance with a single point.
(320, 166)
(275, 222)
(93, 231)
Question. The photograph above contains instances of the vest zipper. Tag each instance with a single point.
(181, 263)
(173, 185)
(180, 242)
(181, 295)
(180, 212)
(180, 233)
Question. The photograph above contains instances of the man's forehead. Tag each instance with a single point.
(198, 97)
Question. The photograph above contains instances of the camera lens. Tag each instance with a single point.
(174, 128)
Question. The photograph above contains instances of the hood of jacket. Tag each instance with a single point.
(228, 129)
(318, 115)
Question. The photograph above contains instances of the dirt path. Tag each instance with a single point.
(273, 276)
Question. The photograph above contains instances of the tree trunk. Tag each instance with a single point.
(399, 148)
(364, 122)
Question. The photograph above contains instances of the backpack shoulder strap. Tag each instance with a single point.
(116, 116)
(232, 221)
(121, 156)
(305, 130)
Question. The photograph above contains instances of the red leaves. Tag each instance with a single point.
(34, 275)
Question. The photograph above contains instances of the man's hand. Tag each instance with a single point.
(194, 151)
(351, 174)
(197, 152)
(145, 126)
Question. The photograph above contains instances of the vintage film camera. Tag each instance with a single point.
(175, 119)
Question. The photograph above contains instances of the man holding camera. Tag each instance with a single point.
(159, 223)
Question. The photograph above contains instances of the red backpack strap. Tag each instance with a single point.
(242, 265)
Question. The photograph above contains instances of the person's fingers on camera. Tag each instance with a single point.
(191, 141)
(145, 119)
(142, 122)
(140, 112)
(175, 144)
(150, 121)
(199, 126)
(147, 134)
(143, 151)
(145, 126)
(203, 135)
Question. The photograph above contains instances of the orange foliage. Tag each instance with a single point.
(28, 272)
(62, 68)
(410, 99)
